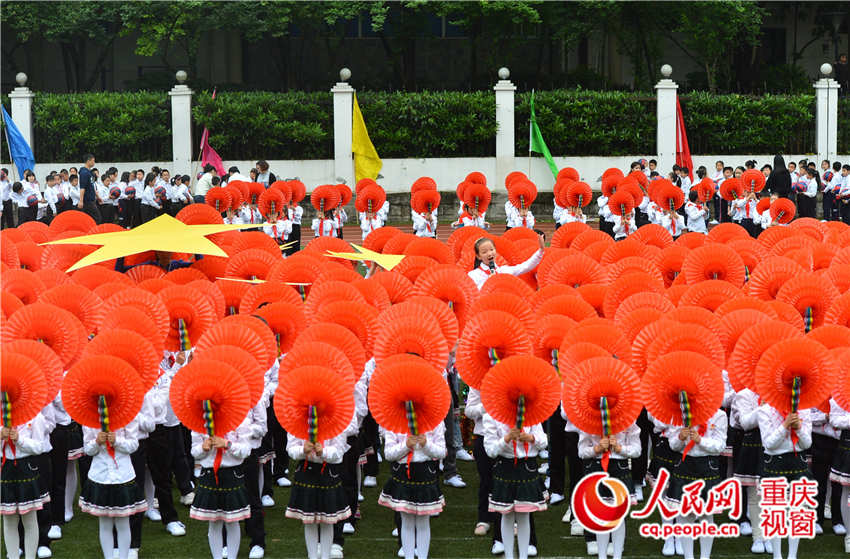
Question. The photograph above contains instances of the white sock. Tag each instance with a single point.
(326, 539)
(70, 487)
(408, 535)
(602, 545)
(105, 525)
(687, 541)
(706, 542)
(754, 511)
(122, 529)
(10, 535)
(233, 538)
(311, 540)
(423, 536)
(216, 538)
(523, 533)
(30, 522)
(618, 536)
(777, 547)
(793, 544)
(150, 490)
(845, 506)
(508, 534)
(261, 479)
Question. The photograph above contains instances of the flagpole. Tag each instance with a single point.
(194, 176)
(14, 168)
(530, 125)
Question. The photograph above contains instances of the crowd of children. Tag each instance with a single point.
(714, 352)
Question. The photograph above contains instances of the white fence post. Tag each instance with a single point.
(343, 118)
(826, 115)
(665, 139)
(505, 141)
(181, 126)
(21, 101)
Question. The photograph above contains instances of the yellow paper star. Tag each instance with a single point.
(164, 233)
(385, 261)
(257, 280)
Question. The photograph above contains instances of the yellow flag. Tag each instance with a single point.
(367, 164)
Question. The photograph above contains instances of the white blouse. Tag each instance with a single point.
(775, 438)
(629, 441)
(332, 450)
(744, 412)
(495, 445)
(712, 443)
(480, 274)
(233, 455)
(31, 438)
(395, 446)
(106, 469)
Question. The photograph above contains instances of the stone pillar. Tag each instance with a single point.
(826, 115)
(665, 139)
(21, 99)
(181, 126)
(505, 141)
(343, 121)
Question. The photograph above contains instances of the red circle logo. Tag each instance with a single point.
(593, 513)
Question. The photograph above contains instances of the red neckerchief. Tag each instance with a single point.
(274, 231)
(3, 451)
(524, 222)
(673, 223)
(485, 268)
(428, 225)
(747, 205)
(701, 430)
(626, 225)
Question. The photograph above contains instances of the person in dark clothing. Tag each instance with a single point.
(88, 199)
(779, 180)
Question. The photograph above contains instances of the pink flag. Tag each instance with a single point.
(683, 152)
(208, 154)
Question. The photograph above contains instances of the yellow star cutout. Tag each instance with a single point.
(258, 280)
(164, 233)
(385, 261)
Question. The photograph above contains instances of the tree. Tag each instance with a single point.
(75, 26)
(710, 30)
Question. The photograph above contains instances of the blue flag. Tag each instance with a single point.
(18, 146)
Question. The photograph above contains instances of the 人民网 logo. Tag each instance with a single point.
(597, 512)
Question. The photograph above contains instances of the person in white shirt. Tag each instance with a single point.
(685, 179)
(471, 218)
(485, 261)
(606, 218)
(521, 218)
(205, 182)
(807, 197)
(571, 214)
(276, 228)
(673, 222)
(341, 218)
(369, 222)
(233, 174)
(325, 226)
(424, 224)
(843, 196)
(30, 181)
(179, 195)
(26, 201)
(625, 225)
(152, 198)
(7, 212)
(697, 214)
(52, 193)
(295, 213)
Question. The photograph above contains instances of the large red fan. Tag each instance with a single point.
(210, 397)
(360, 318)
(579, 194)
(147, 302)
(47, 360)
(751, 345)
(218, 198)
(233, 334)
(100, 379)
(407, 395)
(250, 369)
(732, 189)
(285, 320)
(425, 201)
(339, 337)
(782, 210)
(370, 199)
(508, 303)
(668, 196)
(314, 403)
(130, 346)
(477, 196)
(522, 390)
(189, 316)
(324, 198)
(714, 262)
(451, 285)
(548, 336)
(682, 388)
(56, 327)
(811, 294)
(23, 387)
(488, 338)
(795, 374)
(78, 300)
(602, 377)
(271, 202)
(319, 354)
(753, 180)
(411, 335)
(621, 203)
(522, 194)
(444, 316)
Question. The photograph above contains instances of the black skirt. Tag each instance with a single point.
(617, 468)
(416, 493)
(748, 459)
(691, 469)
(75, 441)
(662, 457)
(790, 465)
(317, 495)
(840, 472)
(225, 500)
(295, 238)
(21, 486)
(113, 499)
(517, 486)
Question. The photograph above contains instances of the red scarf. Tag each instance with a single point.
(690, 445)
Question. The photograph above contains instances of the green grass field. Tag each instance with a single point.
(451, 534)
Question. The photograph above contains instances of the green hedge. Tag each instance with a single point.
(298, 125)
(114, 126)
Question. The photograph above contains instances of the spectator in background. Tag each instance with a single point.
(88, 198)
(263, 174)
(779, 180)
(842, 75)
(204, 183)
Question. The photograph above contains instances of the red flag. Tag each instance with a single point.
(208, 154)
(683, 152)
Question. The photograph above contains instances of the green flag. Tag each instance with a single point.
(536, 143)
